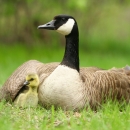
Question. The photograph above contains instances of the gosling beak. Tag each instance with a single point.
(26, 83)
(48, 26)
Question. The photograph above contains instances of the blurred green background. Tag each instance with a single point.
(104, 27)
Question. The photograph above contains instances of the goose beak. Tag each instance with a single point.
(48, 26)
(26, 83)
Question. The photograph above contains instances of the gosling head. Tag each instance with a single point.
(32, 80)
(63, 24)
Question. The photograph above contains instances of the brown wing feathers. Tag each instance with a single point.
(111, 84)
(100, 85)
(15, 82)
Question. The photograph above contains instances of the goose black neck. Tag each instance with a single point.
(71, 55)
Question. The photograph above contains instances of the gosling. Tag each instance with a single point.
(29, 98)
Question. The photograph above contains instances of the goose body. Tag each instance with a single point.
(65, 84)
(29, 98)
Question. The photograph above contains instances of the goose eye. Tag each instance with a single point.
(63, 19)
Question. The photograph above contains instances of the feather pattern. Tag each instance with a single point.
(15, 82)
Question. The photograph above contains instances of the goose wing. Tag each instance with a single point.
(101, 85)
(14, 83)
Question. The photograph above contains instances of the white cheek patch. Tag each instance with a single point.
(66, 28)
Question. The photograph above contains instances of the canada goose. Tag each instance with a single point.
(65, 85)
(70, 88)
(29, 97)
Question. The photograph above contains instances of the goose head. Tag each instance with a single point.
(67, 26)
(63, 24)
(32, 80)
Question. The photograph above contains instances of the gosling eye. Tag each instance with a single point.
(31, 79)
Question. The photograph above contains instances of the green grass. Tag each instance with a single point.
(109, 117)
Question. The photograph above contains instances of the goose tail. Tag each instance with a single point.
(127, 67)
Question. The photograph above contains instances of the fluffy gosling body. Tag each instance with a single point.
(29, 98)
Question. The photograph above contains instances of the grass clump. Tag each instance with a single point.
(109, 117)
